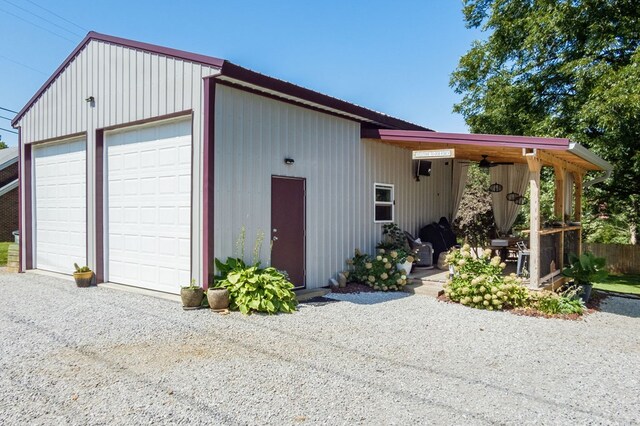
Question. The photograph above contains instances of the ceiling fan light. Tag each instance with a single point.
(495, 187)
(512, 196)
(520, 200)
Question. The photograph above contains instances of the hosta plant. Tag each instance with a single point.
(478, 282)
(553, 303)
(255, 289)
(378, 272)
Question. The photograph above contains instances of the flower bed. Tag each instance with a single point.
(478, 282)
(378, 272)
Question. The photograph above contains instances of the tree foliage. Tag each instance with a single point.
(474, 220)
(566, 68)
(3, 145)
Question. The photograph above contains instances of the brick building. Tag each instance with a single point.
(8, 192)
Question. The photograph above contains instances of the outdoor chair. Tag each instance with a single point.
(424, 251)
(523, 256)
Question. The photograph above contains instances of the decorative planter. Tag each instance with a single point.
(218, 298)
(83, 279)
(405, 267)
(191, 297)
(585, 294)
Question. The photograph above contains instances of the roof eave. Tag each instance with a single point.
(587, 155)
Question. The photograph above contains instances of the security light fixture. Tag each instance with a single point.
(289, 161)
(90, 99)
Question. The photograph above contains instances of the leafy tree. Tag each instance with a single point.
(474, 220)
(561, 69)
(3, 145)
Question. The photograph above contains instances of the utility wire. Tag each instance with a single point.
(10, 131)
(43, 18)
(23, 65)
(36, 25)
(58, 16)
(8, 110)
(6, 118)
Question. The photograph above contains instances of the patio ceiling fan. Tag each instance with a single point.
(485, 164)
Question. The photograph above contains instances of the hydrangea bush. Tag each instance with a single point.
(478, 282)
(378, 272)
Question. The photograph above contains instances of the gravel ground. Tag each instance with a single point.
(102, 356)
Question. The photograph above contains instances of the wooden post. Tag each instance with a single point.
(534, 236)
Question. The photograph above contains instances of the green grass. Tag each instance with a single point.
(4, 248)
(628, 283)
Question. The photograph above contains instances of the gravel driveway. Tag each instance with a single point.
(102, 356)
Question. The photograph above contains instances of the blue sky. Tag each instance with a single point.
(394, 57)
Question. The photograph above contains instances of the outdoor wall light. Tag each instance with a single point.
(512, 196)
(288, 161)
(90, 99)
(495, 187)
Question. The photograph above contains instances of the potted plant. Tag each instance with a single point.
(218, 298)
(191, 296)
(83, 275)
(584, 270)
(404, 259)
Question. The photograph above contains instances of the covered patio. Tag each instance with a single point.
(515, 163)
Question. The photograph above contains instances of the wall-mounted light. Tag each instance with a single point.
(90, 99)
(288, 161)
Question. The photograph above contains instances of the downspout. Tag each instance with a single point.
(605, 176)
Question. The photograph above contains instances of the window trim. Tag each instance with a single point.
(391, 203)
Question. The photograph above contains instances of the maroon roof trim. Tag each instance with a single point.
(248, 76)
(174, 53)
(467, 139)
(233, 72)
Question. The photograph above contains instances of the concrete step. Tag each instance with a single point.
(423, 288)
(306, 294)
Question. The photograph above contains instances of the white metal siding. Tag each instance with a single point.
(59, 209)
(149, 213)
(253, 135)
(128, 85)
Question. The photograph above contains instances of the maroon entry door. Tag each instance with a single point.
(288, 227)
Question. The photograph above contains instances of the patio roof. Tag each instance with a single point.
(498, 148)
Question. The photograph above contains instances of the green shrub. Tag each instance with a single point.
(378, 272)
(552, 303)
(478, 282)
(252, 288)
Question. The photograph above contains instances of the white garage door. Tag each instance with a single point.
(59, 194)
(149, 206)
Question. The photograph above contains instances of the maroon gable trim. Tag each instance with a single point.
(467, 139)
(174, 53)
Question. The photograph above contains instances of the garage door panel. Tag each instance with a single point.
(149, 193)
(59, 205)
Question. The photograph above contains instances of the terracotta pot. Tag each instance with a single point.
(191, 297)
(218, 298)
(83, 279)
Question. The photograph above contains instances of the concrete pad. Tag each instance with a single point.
(306, 294)
(142, 291)
(423, 288)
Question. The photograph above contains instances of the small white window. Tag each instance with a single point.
(383, 202)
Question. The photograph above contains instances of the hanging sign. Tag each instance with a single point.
(429, 154)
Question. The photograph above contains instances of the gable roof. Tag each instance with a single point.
(238, 75)
(8, 156)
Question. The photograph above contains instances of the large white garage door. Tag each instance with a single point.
(59, 196)
(148, 198)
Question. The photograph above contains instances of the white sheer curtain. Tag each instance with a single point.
(568, 194)
(458, 182)
(513, 178)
